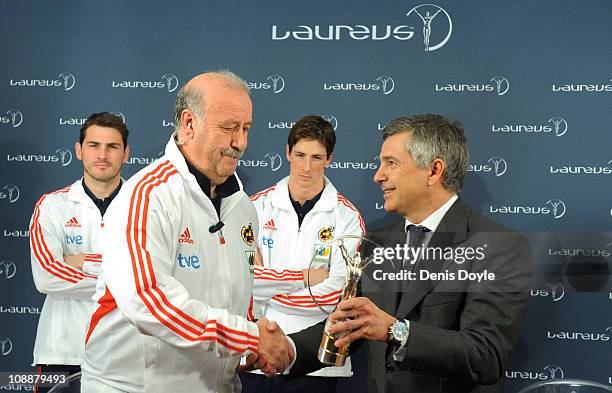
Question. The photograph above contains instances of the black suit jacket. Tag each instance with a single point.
(460, 330)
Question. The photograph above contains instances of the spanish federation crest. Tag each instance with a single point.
(326, 234)
(247, 234)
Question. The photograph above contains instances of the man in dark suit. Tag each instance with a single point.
(448, 322)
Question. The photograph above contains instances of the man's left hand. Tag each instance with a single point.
(367, 321)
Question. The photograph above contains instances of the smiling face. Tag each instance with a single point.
(404, 185)
(307, 162)
(102, 153)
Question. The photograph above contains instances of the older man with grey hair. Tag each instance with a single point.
(443, 316)
(175, 293)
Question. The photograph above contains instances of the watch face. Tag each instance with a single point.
(399, 330)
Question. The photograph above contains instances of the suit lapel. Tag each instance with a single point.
(452, 230)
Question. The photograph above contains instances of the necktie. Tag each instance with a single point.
(416, 237)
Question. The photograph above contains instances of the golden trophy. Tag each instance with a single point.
(329, 354)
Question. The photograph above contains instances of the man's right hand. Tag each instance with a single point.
(274, 353)
(315, 276)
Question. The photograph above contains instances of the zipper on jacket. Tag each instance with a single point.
(221, 237)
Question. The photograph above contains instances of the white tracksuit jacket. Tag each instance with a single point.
(286, 249)
(65, 222)
(173, 297)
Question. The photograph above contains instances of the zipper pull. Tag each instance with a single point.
(221, 238)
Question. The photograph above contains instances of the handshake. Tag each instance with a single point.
(274, 353)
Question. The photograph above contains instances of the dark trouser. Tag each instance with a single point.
(258, 383)
(74, 387)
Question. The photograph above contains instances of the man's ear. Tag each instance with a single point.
(126, 153)
(287, 152)
(436, 172)
(77, 150)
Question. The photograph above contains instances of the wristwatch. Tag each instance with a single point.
(399, 331)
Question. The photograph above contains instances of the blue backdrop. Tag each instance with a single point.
(531, 81)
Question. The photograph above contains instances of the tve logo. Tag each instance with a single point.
(267, 242)
(78, 239)
(186, 261)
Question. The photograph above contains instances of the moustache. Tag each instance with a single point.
(232, 153)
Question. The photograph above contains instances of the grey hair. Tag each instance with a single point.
(192, 98)
(434, 136)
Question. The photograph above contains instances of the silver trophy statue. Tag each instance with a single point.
(329, 354)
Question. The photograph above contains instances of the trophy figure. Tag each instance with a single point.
(329, 354)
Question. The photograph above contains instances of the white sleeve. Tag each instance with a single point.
(51, 275)
(270, 282)
(138, 272)
(328, 292)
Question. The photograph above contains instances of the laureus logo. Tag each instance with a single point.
(10, 192)
(554, 371)
(6, 346)
(68, 80)
(427, 13)
(387, 84)
(275, 161)
(13, 117)
(65, 156)
(171, 82)
(496, 165)
(278, 83)
(119, 115)
(7, 269)
(559, 125)
(557, 206)
(556, 291)
(332, 120)
(502, 85)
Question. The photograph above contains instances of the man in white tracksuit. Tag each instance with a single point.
(175, 290)
(297, 216)
(65, 244)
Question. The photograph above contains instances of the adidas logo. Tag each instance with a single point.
(72, 223)
(186, 237)
(270, 225)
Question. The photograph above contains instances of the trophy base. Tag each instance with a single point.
(331, 355)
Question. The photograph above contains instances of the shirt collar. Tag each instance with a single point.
(223, 190)
(101, 204)
(434, 219)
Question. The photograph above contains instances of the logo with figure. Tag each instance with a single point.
(499, 164)
(278, 83)
(559, 124)
(6, 346)
(387, 84)
(326, 234)
(65, 155)
(558, 207)
(171, 82)
(68, 80)
(557, 291)
(554, 371)
(119, 115)
(10, 192)
(332, 119)
(502, 85)
(247, 234)
(427, 13)
(7, 269)
(15, 117)
(275, 161)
